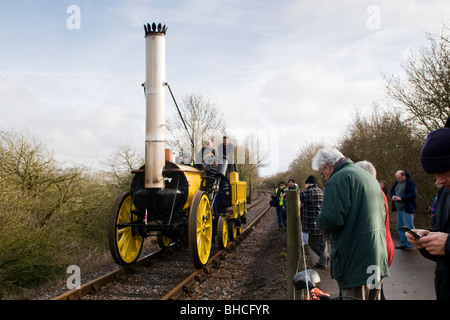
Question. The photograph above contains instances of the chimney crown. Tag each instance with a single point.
(153, 28)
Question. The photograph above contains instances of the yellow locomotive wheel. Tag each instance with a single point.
(200, 229)
(222, 232)
(124, 243)
(163, 241)
(233, 230)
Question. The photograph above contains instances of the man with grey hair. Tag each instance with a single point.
(353, 212)
(207, 155)
(326, 159)
(368, 166)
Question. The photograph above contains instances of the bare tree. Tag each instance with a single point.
(31, 178)
(391, 144)
(300, 168)
(120, 164)
(203, 120)
(251, 160)
(425, 92)
(51, 214)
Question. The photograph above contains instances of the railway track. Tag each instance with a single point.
(164, 274)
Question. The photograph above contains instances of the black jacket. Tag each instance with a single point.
(442, 273)
(409, 198)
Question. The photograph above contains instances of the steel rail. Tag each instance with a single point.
(184, 286)
(95, 284)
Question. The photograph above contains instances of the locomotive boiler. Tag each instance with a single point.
(173, 202)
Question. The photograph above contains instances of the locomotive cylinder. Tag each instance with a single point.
(155, 131)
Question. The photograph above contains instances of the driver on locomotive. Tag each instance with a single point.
(227, 149)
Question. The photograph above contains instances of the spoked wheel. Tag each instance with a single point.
(125, 243)
(233, 229)
(163, 241)
(200, 229)
(222, 232)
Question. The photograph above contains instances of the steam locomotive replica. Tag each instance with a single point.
(173, 202)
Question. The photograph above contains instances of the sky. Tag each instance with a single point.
(291, 72)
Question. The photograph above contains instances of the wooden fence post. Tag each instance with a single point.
(293, 238)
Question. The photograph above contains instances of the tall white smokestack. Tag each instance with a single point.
(155, 131)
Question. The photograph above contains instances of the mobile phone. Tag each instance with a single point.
(414, 234)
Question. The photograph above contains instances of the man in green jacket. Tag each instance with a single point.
(353, 212)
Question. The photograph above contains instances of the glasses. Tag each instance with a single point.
(322, 174)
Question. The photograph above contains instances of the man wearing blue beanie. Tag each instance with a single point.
(435, 244)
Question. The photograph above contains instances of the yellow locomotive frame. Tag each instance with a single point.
(229, 226)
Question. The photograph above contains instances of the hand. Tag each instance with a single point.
(434, 242)
(415, 242)
(396, 198)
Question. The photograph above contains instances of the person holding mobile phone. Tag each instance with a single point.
(435, 244)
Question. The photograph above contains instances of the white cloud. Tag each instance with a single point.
(299, 69)
(82, 117)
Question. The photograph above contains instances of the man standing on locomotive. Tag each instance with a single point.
(205, 156)
(227, 149)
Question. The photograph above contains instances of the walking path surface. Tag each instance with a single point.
(411, 277)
